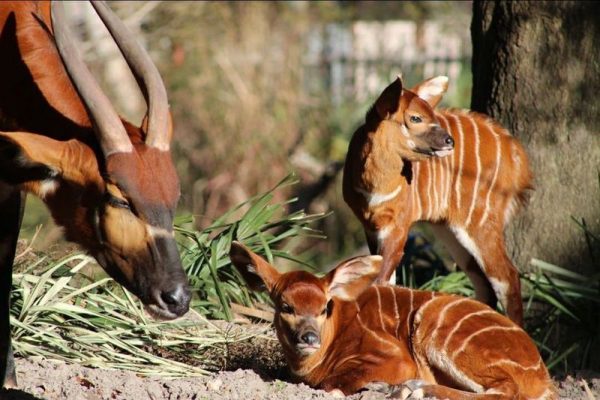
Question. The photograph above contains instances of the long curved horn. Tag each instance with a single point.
(159, 120)
(107, 124)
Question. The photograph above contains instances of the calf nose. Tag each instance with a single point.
(449, 141)
(310, 338)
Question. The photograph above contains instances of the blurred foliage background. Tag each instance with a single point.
(262, 89)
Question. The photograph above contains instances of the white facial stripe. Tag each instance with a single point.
(411, 144)
(155, 231)
(375, 199)
(404, 130)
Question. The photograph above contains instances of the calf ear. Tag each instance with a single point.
(257, 272)
(352, 277)
(432, 90)
(389, 100)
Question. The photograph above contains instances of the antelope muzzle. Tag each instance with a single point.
(307, 336)
(436, 142)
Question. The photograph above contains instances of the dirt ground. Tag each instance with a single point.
(44, 379)
(253, 369)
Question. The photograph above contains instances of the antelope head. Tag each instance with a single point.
(115, 192)
(304, 303)
(409, 117)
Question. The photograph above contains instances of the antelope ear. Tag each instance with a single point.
(352, 277)
(257, 272)
(38, 162)
(28, 157)
(389, 100)
(432, 90)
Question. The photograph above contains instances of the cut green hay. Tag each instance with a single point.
(63, 311)
(62, 315)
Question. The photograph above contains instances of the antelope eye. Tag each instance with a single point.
(118, 203)
(415, 120)
(286, 308)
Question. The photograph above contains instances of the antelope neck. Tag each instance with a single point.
(380, 170)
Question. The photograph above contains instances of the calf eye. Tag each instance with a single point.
(286, 308)
(415, 120)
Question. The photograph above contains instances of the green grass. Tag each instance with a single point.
(61, 310)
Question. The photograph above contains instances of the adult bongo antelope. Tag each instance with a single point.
(341, 333)
(459, 170)
(111, 185)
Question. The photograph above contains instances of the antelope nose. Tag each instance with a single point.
(177, 300)
(449, 141)
(310, 338)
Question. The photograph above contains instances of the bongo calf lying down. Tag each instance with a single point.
(339, 333)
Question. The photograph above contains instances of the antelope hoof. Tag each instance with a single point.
(380, 387)
(409, 390)
(337, 393)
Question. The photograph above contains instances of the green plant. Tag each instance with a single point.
(62, 310)
(262, 226)
(563, 304)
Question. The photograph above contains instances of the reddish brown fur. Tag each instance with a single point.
(441, 190)
(459, 348)
(48, 144)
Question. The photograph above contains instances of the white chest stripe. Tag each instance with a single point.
(375, 199)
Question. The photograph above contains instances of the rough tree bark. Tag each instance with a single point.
(536, 69)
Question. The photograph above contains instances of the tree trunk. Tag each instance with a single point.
(536, 69)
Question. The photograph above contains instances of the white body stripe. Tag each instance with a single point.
(396, 312)
(515, 364)
(500, 288)
(416, 172)
(467, 242)
(429, 193)
(441, 361)
(379, 308)
(461, 155)
(412, 305)
(465, 342)
(477, 173)
(442, 315)
(382, 234)
(459, 323)
(494, 177)
(47, 187)
(435, 186)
